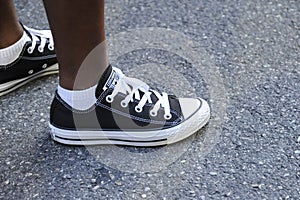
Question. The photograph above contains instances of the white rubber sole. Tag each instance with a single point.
(8, 87)
(142, 138)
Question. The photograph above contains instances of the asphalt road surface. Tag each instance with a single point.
(242, 56)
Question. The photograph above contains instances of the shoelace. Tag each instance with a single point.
(44, 35)
(124, 83)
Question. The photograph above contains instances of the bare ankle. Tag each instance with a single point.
(10, 36)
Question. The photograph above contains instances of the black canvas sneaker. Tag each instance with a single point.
(127, 112)
(37, 59)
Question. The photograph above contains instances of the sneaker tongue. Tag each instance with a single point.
(105, 80)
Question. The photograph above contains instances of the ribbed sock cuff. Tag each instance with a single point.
(11, 53)
(78, 99)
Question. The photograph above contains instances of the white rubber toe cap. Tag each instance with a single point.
(189, 106)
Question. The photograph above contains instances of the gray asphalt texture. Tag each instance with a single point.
(254, 45)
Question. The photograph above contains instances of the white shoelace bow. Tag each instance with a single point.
(44, 36)
(133, 92)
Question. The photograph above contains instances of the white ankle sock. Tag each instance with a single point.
(78, 99)
(11, 53)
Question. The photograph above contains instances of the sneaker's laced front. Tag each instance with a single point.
(40, 35)
(132, 88)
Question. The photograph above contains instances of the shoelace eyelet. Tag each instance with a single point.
(50, 47)
(124, 104)
(109, 99)
(138, 109)
(30, 72)
(44, 66)
(41, 50)
(153, 114)
(167, 116)
(30, 50)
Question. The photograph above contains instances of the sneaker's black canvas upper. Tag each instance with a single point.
(112, 116)
(27, 63)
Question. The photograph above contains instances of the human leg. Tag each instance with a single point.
(10, 28)
(78, 28)
(25, 53)
(121, 110)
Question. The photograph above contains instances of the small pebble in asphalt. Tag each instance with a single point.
(118, 183)
(258, 186)
(112, 177)
(213, 173)
(67, 176)
(96, 187)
